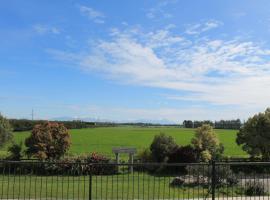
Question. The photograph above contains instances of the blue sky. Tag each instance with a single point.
(134, 60)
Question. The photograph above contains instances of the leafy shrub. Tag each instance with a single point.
(255, 188)
(81, 165)
(254, 136)
(49, 140)
(144, 156)
(5, 131)
(94, 164)
(206, 156)
(184, 154)
(15, 152)
(161, 147)
(207, 143)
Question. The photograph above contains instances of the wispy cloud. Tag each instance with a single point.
(92, 14)
(46, 29)
(195, 29)
(216, 71)
(159, 10)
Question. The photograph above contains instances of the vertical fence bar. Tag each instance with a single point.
(90, 185)
(213, 181)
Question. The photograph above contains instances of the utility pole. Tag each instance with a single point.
(32, 114)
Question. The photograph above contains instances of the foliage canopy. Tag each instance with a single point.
(207, 143)
(49, 140)
(254, 136)
(161, 147)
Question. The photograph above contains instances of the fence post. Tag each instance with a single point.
(213, 181)
(90, 184)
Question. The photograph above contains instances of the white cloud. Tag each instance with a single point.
(234, 72)
(45, 29)
(195, 29)
(94, 15)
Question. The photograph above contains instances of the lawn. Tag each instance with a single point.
(122, 186)
(104, 139)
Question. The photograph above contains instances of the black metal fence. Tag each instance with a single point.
(215, 180)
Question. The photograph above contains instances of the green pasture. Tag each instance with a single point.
(103, 139)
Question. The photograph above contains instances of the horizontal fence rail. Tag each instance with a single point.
(55, 180)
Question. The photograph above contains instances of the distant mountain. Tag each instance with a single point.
(157, 121)
(86, 119)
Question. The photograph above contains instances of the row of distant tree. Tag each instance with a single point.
(222, 124)
(26, 125)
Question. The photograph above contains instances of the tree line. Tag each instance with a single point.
(222, 124)
(28, 125)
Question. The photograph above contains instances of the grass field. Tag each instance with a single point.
(104, 139)
(126, 186)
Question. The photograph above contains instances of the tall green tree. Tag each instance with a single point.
(254, 136)
(207, 143)
(5, 131)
